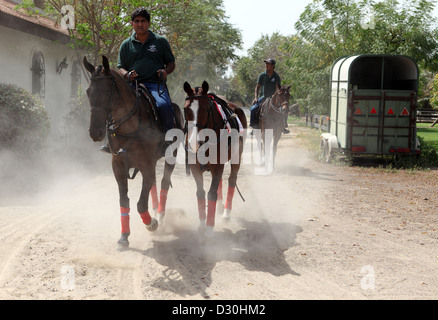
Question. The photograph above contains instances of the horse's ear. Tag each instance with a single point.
(88, 65)
(205, 87)
(187, 88)
(105, 64)
(288, 88)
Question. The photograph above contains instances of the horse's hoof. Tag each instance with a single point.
(123, 243)
(226, 216)
(160, 218)
(209, 232)
(202, 226)
(153, 225)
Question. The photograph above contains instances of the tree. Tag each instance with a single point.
(204, 43)
(308, 70)
(100, 26)
(433, 92)
(198, 31)
(329, 29)
(247, 69)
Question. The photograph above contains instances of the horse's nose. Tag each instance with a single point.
(97, 125)
(96, 134)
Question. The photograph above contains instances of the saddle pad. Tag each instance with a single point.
(227, 119)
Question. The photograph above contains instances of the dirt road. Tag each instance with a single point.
(308, 231)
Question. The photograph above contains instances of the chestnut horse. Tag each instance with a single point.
(210, 145)
(272, 113)
(135, 138)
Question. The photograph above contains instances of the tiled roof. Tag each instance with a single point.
(40, 26)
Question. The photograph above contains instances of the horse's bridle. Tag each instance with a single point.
(210, 112)
(280, 108)
(112, 126)
(113, 86)
(223, 122)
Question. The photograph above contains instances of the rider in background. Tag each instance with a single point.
(147, 58)
(267, 83)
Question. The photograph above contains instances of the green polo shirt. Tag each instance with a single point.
(145, 58)
(268, 84)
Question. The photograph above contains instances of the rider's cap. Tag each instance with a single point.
(270, 60)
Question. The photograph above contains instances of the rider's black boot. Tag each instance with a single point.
(105, 148)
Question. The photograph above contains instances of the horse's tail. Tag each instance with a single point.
(241, 114)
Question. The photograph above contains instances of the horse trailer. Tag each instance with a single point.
(373, 106)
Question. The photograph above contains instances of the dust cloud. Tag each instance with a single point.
(61, 212)
(69, 158)
(265, 219)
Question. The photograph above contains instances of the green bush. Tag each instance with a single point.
(429, 156)
(24, 122)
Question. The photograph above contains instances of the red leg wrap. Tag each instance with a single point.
(230, 194)
(201, 209)
(211, 213)
(154, 196)
(146, 217)
(124, 217)
(163, 200)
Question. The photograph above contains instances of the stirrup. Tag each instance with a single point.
(105, 148)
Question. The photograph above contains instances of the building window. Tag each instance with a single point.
(38, 74)
(75, 79)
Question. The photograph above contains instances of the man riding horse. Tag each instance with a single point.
(267, 83)
(146, 58)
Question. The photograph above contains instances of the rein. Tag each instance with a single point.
(113, 126)
(273, 107)
(210, 113)
(113, 85)
(161, 82)
(197, 125)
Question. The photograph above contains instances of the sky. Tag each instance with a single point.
(255, 18)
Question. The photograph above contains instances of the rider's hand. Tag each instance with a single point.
(162, 74)
(132, 75)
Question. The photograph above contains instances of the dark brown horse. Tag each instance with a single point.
(211, 141)
(135, 138)
(272, 114)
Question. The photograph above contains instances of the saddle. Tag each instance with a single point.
(231, 120)
(142, 90)
(264, 106)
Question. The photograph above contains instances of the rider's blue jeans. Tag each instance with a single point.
(164, 104)
(253, 112)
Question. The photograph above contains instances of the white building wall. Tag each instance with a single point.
(16, 52)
